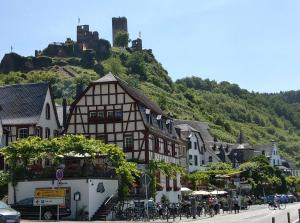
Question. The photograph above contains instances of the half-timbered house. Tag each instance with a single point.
(27, 110)
(114, 112)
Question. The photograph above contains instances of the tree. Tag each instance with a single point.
(263, 177)
(121, 39)
(88, 59)
(25, 151)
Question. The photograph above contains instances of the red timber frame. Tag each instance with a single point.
(111, 96)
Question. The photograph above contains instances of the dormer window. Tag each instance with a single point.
(159, 121)
(169, 125)
(148, 116)
(47, 111)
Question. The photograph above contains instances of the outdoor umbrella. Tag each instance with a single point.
(216, 192)
(201, 192)
(185, 189)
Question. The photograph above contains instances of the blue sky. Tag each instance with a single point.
(254, 43)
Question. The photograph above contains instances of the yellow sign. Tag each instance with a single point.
(49, 193)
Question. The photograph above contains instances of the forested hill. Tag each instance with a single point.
(225, 106)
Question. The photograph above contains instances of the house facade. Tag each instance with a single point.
(27, 110)
(270, 151)
(114, 112)
(200, 150)
(195, 147)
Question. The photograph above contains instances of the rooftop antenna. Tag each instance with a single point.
(140, 34)
(78, 20)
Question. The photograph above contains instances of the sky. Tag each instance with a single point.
(254, 43)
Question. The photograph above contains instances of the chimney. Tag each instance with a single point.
(64, 113)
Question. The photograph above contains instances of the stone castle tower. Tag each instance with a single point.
(85, 37)
(118, 24)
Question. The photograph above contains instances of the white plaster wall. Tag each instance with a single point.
(43, 122)
(96, 199)
(89, 197)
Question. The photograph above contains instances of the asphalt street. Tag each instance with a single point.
(256, 214)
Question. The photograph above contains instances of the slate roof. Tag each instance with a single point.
(201, 127)
(133, 92)
(22, 103)
(267, 148)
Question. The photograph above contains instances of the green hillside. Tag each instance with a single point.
(226, 107)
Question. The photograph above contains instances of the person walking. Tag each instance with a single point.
(236, 204)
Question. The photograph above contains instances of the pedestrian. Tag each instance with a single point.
(194, 207)
(216, 204)
(236, 204)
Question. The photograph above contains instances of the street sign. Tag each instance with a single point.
(45, 193)
(49, 201)
(59, 174)
(145, 180)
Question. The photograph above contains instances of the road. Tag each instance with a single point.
(256, 214)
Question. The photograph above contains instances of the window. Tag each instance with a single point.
(47, 111)
(191, 159)
(196, 160)
(166, 149)
(23, 133)
(203, 162)
(189, 144)
(118, 115)
(175, 184)
(173, 150)
(101, 137)
(47, 133)
(210, 159)
(93, 117)
(167, 183)
(128, 143)
(39, 132)
(110, 115)
(195, 145)
(101, 116)
(156, 145)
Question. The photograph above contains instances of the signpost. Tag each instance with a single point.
(145, 180)
(48, 197)
(49, 193)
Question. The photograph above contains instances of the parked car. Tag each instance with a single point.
(292, 198)
(27, 210)
(269, 199)
(7, 214)
(284, 199)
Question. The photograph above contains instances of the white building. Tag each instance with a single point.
(199, 153)
(27, 110)
(93, 192)
(271, 151)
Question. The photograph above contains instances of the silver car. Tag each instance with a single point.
(8, 215)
